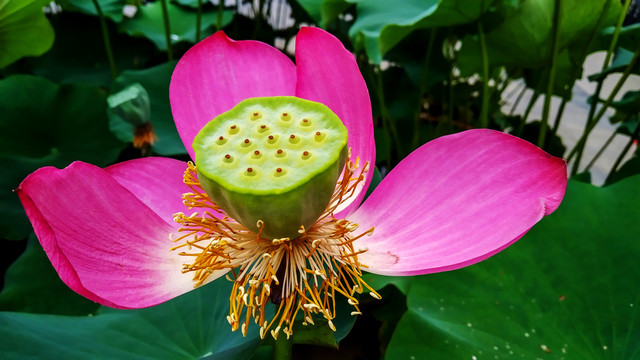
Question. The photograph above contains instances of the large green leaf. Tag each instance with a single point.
(382, 26)
(43, 124)
(148, 22)
(24, 30)
(628, 38)
(156, 81)
(192, 326)
(64, 64)
(110, 8)
(324, 11)
(567, 290)
(621, 61)
(524, 38)
(23, 291)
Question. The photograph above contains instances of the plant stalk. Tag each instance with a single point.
(107, 41)
(583, 56)
(199, 20)
(591, 121)
(580, 145)
(546, 108)
(532, 102)
(601, 151)
(282, 348)
(167, 28)
(624, 151)
(484, 110)
(220, 13)
(423, 88)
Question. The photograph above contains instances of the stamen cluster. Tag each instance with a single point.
(301, 275)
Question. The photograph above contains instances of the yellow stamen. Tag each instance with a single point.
(301, 274)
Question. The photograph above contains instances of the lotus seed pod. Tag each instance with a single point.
(274, 159)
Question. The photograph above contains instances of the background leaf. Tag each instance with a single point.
(24, 292)
(43, 124)
(565, 290)
(148, 22)
(156, 81)
(24, 30)
(383, 26)
(192, 326)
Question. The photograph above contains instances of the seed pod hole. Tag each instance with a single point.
(255, 115)
(221, 140)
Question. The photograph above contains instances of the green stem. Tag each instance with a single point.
(199, 20)
(451, 98)
(258, 19)
(107, 41)
(484, 110)
(282, 348)
(583, 55)
(591, 121)
(634, 136)
(515, 104)
(423, 87)
(580, 145)
(386, 117)
(167, 28)
(552, 74)
(556, 122)
(220, 12)
(532, 102)
(601, 151)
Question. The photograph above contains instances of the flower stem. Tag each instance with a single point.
(282, 348)
(220, 12)
(532, 102)
(601, 151)
(552, 74)
(451, 98)
(167, 28)
(199, 20)
(556, 122)
(107, 41)
(484, 110)
(376, 79)
(258, 19)
(580, 145)
(591, 120)
(423, 87)
(578, 69)
(624, 151)
(515, 104)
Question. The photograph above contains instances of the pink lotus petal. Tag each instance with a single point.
(458, 200)
(105, 243)
(329, 74)
(155, 181)
(218, 73)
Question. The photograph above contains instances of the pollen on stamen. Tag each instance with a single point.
(324, 250)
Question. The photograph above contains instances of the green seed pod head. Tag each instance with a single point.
(275, 159)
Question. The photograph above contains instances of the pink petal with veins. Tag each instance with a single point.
(105, 242)
(217, 73)
(458, 200)
(329, 74)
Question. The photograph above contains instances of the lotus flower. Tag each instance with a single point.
(144, 231)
